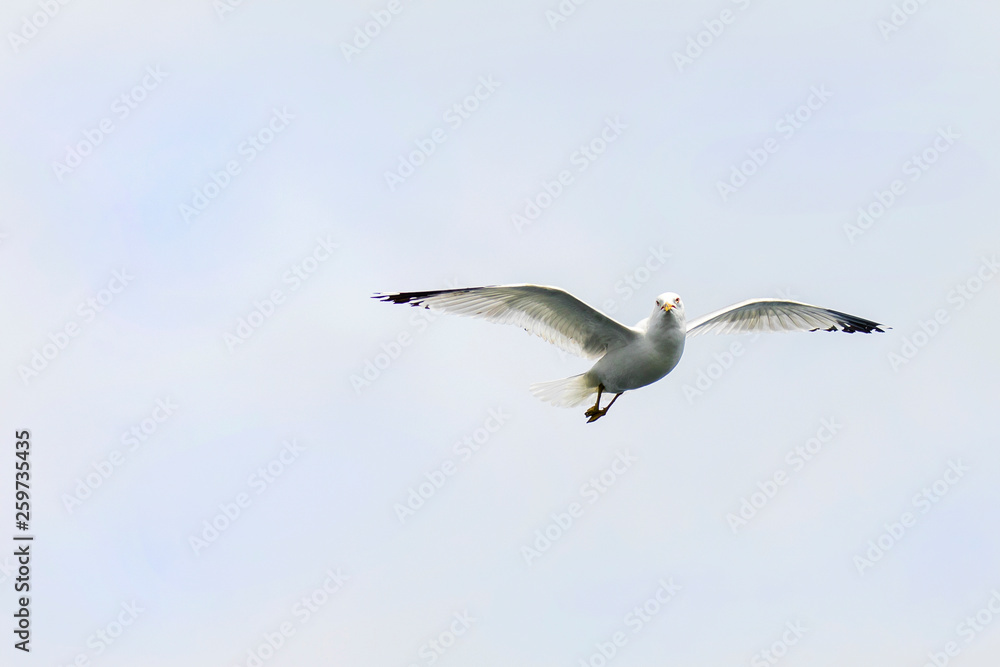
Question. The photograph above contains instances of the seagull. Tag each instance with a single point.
(627, 357)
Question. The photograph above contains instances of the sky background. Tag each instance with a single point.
(247, 314)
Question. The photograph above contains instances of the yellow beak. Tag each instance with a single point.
(667, 306)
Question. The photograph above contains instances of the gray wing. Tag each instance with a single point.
(548, 312)
(779, 315)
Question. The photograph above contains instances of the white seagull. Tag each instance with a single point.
(627, 357)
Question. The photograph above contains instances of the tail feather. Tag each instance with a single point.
(567, 392)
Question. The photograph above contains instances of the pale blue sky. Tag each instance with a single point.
(304, 227)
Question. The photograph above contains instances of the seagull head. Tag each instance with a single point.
(669, 307)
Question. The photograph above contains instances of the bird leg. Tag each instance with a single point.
(596, 412)
(597, 406)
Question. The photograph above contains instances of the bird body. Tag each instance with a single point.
(627, 357)
(655, 352)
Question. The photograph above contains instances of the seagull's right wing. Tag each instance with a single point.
(548, 312)
(779, 315)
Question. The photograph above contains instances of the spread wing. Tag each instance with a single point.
(548, 312)
(779, 315)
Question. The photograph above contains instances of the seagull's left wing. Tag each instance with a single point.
(778, 315)
(548, 312)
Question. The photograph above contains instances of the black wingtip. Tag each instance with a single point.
(851, 324)
(416, 298)
(393, 297)
(856, 324)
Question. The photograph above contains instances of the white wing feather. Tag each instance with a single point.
(778, 315)
(548, 312)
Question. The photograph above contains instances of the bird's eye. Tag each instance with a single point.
(677, 300)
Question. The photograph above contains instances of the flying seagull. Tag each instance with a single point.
(627, 357)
